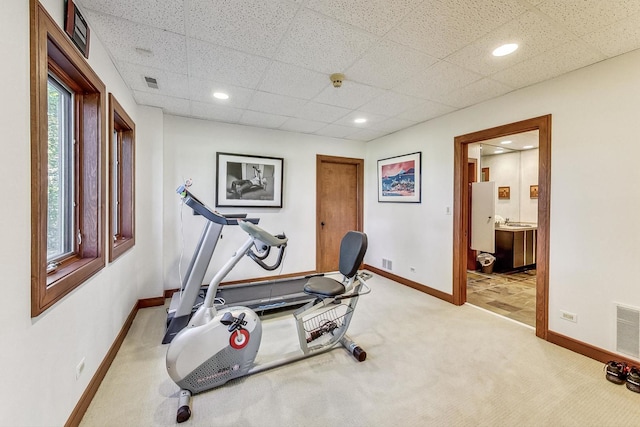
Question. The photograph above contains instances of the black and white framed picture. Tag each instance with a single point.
(248, 181)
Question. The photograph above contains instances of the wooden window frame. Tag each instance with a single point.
(52, 51)
(124, 193)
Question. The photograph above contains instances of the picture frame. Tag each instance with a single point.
(533, 191)
(400, 179)
(504, 193)
(248, 181)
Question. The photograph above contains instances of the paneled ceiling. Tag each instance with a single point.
(404, 61)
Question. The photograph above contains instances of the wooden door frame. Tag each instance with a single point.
(467, 178)
(461, 207)
(359, 163)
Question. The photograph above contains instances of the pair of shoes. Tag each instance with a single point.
(620, 372)
(616, 372)
(633, 379)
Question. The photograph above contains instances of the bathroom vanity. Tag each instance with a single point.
(515, 246)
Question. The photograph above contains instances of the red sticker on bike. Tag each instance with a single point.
(239, 339)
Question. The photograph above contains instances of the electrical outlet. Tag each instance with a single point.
(571, 317)
(79, 368)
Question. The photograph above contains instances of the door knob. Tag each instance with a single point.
(322, 224)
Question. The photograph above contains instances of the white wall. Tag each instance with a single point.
(40, 355)
(190, 147)
(594, 212)
(528, 177)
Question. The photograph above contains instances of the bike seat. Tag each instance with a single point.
(324, 287)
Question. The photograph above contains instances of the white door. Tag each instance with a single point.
(483, 212)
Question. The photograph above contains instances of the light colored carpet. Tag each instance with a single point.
(429, 363)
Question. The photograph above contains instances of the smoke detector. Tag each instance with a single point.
(337, 79)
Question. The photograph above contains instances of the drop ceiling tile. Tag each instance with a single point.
(477, 92)
(170, 105)
(257, 119)
(388, 64)
(435, 82)
(367, 135)
(202, 90)
(392, 124)
(215, 112)
(276, 104)
(301, 125)
(321, 112)
(390, 104)
(374, 16)
(533, 32)
(371, 118)
(618, 38)
(586, 16)
(166, 15)
(217, 63)
(426, 111)
(169, 84)
(336, 131)
(322, 44)
(290, 80)
(553, 63)
(253, 26)
(168, 50)
(441, 27)
(350, 95)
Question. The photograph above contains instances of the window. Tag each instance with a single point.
(121, 194)
(68, 128)
(60, 215)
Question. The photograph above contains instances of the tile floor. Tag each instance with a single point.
(512, 294)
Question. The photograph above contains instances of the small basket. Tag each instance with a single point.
(326, 322)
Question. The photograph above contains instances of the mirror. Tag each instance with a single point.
(512, 163)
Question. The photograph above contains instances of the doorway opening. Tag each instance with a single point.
(501, 260)
(462, 210)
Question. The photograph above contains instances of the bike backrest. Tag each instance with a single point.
(352, 250)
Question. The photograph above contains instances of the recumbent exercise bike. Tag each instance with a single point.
(218, 346)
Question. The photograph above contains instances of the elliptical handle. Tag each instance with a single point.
(259, 261)
(259, 234)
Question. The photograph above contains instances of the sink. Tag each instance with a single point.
(513, 224)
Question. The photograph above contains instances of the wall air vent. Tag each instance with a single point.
(628, 330)
(151, 82)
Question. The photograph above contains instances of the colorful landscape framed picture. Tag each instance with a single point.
(248, 181)
(399, 179)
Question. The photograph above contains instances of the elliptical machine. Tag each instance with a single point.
(218, 346)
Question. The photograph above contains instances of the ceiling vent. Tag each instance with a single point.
(151, 82)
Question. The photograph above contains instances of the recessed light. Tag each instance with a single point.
(360, 120)
(526, 147)
(505, 49)
(220, 95)
(506, 142)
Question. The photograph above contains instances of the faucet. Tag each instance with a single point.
(506, 220)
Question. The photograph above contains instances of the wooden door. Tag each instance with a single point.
(339, 206)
